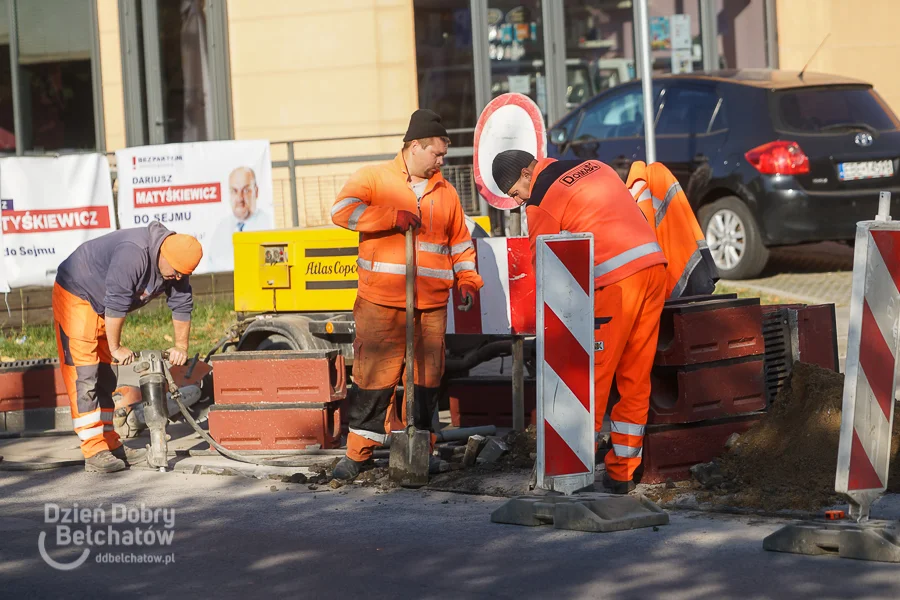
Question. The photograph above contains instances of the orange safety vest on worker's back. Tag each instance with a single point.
(589, 197)
(691, 270)
(369, 202)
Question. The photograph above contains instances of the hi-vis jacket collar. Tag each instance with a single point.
(400, 164)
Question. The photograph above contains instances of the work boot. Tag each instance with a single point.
(131, 456)
(103, 462)
(615, 486)
(349, 469)
(434, 465)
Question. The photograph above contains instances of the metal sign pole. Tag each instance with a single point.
(642, 41)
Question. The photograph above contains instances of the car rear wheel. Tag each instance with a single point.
(734, 239)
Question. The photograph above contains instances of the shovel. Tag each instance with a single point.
(411, 447)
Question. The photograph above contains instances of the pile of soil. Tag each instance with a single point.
(788, 460)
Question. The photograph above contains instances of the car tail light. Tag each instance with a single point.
(779, 158)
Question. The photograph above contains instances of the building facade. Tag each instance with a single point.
(339, 79)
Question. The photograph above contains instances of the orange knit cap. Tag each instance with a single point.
(182, 251)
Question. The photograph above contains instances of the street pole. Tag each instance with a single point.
(642, 41)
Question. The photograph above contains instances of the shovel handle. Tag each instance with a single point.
(409, 389)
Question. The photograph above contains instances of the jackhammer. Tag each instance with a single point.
(154, 380)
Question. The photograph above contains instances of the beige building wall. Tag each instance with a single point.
(111, 74)
(863, 42)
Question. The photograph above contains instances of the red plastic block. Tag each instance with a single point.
(817, 333)
(32, 384)
(276, 426)
(709, 331)
(478, 401)
(279, 377)
(689, 394)
(670, 451)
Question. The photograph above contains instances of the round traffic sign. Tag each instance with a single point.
(508, 122)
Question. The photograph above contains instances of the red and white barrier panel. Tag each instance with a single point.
(505, 305)
(565, 362)
(871, 370)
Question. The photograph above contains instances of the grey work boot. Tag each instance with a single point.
(614, 486)
(349, 469)
(103, 462)
(131, 456)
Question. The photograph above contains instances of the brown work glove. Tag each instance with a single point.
(467, 292)
(407, 220)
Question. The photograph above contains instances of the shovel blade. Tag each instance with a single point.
(409, 458)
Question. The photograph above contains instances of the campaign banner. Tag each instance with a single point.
(210, 190)
(48, 207)
(4, 285)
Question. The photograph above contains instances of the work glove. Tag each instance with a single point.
(468, 296)
(407, 220)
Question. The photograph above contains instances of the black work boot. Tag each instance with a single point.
(131, 456)
(103, 462)
(614, 486)
(349, 469)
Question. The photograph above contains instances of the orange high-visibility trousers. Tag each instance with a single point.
(87, 369)
(379, 352)
(628, 315)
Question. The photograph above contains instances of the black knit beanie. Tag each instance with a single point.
(507, 168)
(424, 123)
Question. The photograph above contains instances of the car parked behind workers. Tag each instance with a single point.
(767, 158)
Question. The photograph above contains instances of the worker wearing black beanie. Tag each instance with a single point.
(424, 123)
(508, 167)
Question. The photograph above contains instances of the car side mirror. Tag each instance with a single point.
(559, 136)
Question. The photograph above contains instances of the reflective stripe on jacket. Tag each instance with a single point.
(691, 270)
(369, 202)
(589, 197)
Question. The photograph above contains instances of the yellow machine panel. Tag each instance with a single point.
(295, 270)
(298, 270)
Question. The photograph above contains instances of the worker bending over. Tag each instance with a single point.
(629, 283)
(691, 270)
(96, 287)
(382, 203)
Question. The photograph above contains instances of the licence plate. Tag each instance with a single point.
(872, 169)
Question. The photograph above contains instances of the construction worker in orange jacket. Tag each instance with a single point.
(629, 284)
(691, 270)
(96, 287)
(383, 202)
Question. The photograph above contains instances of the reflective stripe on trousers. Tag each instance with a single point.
(626, 257)
(623, 451)
(380, 438)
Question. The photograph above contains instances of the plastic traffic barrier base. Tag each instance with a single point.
(872, 540)
(593, 512)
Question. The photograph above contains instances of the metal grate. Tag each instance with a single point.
(462, 178)
(27, 364)
(779, 358)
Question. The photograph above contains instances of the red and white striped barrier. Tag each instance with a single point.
(505, 305)
(871, 369)
(565, 362)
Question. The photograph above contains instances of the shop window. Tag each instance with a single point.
(443, 30)
(56, 87)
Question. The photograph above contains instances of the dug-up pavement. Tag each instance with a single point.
(262, 531)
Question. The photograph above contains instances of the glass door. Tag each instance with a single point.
(515, 31)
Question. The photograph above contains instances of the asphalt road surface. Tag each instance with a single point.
(234, 537)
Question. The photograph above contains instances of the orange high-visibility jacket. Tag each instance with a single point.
(589, 197)
(369, 202)
(691, 270)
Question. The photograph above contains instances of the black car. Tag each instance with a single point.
(766, 158)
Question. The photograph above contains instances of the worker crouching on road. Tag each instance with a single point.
(629, 283)
(96, 287)
(382, 203)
